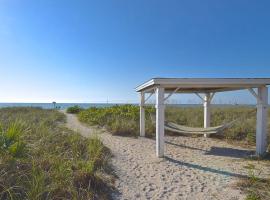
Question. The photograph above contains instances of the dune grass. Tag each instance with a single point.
(124, 120)
(41, 159)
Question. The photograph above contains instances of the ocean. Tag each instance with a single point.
(63, 106)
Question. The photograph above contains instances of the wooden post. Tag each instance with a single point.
(142, 114)
(207, 115)
(261, 127)
(160, 107)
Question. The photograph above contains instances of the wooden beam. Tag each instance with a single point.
(207, 115)
(171, 94)
(252, 91)
(212, 96)
(200, 96)
(150, 95)
(200, 83)
(160, 107)
(261, 124)
(142, 114)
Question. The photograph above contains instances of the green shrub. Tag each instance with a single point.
(120, 120)
(74, 109)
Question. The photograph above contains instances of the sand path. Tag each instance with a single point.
(194, 168)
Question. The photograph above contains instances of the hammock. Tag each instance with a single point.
(170, 126)
(173, 127)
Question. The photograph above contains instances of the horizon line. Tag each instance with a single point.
(123, 103)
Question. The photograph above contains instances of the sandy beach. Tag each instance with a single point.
(193, 168)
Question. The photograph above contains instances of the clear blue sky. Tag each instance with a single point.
(88, 51)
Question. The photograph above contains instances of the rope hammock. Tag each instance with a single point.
(176, 128)
(170, 126)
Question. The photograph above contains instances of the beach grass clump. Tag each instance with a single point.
(119, 120)
(255, 187)
(10, 140)
(41, 159)
(74, 109)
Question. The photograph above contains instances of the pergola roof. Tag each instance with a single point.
(203, 85)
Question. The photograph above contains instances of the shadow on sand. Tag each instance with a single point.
(184, 146)
(219, 151)
(229, 152)
(205, 169)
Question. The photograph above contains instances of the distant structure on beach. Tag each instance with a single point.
(54, 104)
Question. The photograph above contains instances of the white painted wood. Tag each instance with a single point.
(142, 114)
(261, 127)
(252, 91)
(150, 95)
(204, 83)
(207, 115)
(207, 112)
(198, 95)
(172, 93)
(212, 96)
(160, 109)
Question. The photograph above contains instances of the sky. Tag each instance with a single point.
(94, 51)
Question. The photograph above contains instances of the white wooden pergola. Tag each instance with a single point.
(166, 87)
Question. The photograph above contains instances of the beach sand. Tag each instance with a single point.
(193, 168)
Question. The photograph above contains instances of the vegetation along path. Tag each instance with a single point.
(194, 168)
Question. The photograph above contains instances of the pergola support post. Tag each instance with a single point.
(142, 114)
(207, 115)
(261, 127)
(160, 111)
